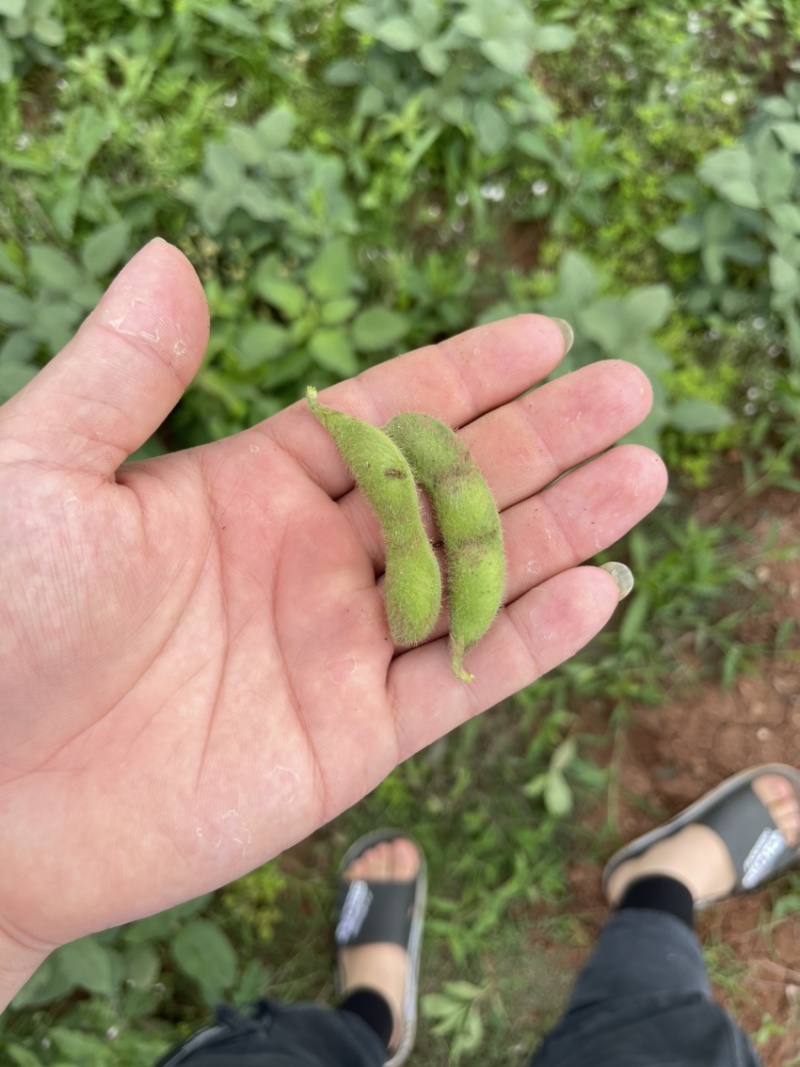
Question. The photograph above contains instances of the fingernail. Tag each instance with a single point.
(568, 333)
(622, 575)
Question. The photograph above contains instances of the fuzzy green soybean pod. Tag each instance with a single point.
(468, 522)
(413, 586)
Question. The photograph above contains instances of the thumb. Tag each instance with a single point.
(116, 381)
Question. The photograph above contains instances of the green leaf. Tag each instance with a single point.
(77, 1046)
(509, 55)
(288, 297)
(330, 275)
(260, 342)
(782, 275)
(577, 278)
(12, 9)
(231, 18)
(332, 350)
(647, 308)
(730, 172)
(48, 983)
(142, 966)
(19, 346)
(18, 1054)
(361, 18)
(786, 216)
(54, 269)
(433, 59)
(789, 134)
(336, 312)
(203, 952)
(49, 31)
(344, 72)
(557, 794)
(699, 416)
(563, 755)
(260, 204)
(275, 129)
(105, 248)
(15, 308)
(378, 328)
(491, 129)
(682, 238)
(6, 61)
(87, 964)
(554, 38)
(400, 34)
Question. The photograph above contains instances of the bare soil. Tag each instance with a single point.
(672, 754)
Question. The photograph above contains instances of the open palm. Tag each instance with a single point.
(196, 667)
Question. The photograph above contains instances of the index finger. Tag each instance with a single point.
(456, 381)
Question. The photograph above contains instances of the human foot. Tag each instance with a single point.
(697, 856)
(380, 966)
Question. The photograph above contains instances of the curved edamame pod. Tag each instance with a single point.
(468, 521)
(413, 580)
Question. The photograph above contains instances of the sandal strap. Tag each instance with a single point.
(756, 846)
(375, 912)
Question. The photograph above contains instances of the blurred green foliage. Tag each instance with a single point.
(353, 179)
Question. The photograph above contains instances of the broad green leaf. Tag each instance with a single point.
(789, 134)
(53, 268)
(48, 983)
(361, 18)
(330, 275)
(259, 203)
(683, 237)
(786, 216)
(378, 328)
(782, 275)
(730, 172)
(491, 129)
(6, 61)
(563, 755)
(12, 9)
(647, 308)
(554, 38)
(88, 965)
(509, 55)
(15, 308)
(576, 278)
(533, 144)
(49, 31)
(344, 72)
(142, 966)
(222, 167)
(434, 59)
(19, 346)
(400, 34)
(557, 794)
(332, 350)
(203, 952)
(275, 129)
(76, 1045)
(288, 297)
(699, 416)
(231, 18)
(20, 1056)
(105, 248)
(260, 342)
(779, 107)
(336, 312)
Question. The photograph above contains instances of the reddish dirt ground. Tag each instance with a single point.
(673, 754)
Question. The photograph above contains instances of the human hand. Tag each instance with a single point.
(196, 666)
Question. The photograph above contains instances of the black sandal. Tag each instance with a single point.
(757, 848)
(379, 912)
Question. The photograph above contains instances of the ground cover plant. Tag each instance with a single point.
(351, 180)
